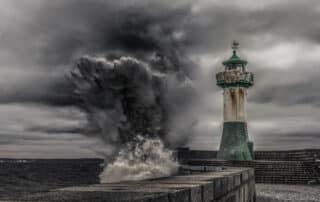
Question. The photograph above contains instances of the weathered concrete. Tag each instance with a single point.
(234, 104)
(232, 184)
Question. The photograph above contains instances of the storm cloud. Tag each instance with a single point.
(40, 40)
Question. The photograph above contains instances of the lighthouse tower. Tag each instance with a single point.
(235, 80)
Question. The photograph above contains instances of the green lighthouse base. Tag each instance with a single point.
(235, 143)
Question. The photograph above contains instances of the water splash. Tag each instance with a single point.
(144, 159)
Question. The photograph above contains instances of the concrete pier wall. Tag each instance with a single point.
(281, 155)
(225, 185)
(274, 167)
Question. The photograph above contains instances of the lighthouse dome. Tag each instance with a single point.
(234, 59)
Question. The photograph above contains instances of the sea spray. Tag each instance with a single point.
(143, 159)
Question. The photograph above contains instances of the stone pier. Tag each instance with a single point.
(220, 185)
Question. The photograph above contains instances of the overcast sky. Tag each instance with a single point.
(40, 40)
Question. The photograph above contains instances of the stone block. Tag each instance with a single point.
(230, 183)
(244, 176)
(196, 194)
(155, 198)
(251, 173)
(220, 187)
(179, 196)
(207, 192)
(225, 183)
(217, 188)
(237, 180)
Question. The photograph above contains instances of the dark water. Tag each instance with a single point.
(19, 177)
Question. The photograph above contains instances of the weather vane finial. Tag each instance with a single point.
(235, 45)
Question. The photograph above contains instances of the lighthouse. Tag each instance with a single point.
(235, 80)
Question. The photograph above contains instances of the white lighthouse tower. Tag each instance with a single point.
(235, 80)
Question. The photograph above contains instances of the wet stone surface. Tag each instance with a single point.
(280, 192)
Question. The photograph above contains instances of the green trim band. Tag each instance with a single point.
(241, 83)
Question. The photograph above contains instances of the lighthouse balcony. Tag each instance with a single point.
(234, 78)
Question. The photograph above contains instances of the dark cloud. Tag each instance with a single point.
(68, 130)
(49, 92)
(287, 87)
(60, 32)
(77, 27)
(67, 30)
